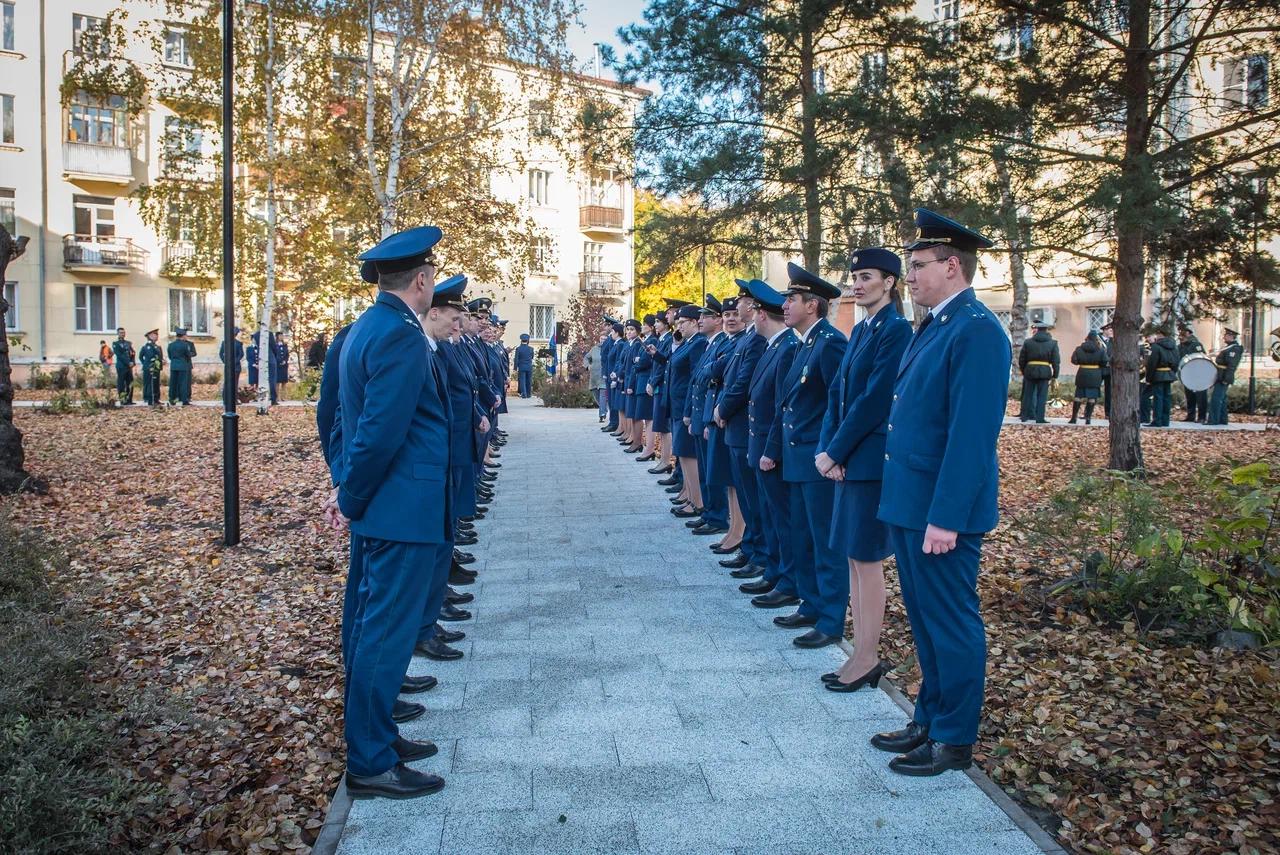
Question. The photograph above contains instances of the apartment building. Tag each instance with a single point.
(68, 175)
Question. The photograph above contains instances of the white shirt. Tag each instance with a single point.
(431, 342)
(780, 333)
(937, 310)
(804, 337)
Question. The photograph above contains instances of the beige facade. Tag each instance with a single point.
(67, 176)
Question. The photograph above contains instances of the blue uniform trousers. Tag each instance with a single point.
(1145, 393)
(715, 500)
(744, 482)
(775, 500)
(1161, 403)
(524, 379)
(941, 596)
(351, 596)
(821, 572)
(1218, 404)
(393, 595)
(1037, 392)
(435, 596)
(614, 410)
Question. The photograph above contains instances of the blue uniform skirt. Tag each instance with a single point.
(644, 406)
(719, 465)
(855, 531)
(629, 406)
(682, 444)
(661, 414)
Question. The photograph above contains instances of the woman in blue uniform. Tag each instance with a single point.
(644, 387)
(660, 353)
(634, 437)
(683, 360)
(851, 453)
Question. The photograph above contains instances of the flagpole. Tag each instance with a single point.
(230, 419)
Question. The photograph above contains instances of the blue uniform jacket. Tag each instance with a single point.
(804, 400)
(238, 354)
(738, 372)
(853, 430)
(394, 481)
(700, 385)
(327, 406)
(631, 366)
(765, 393)
(940, 457)
(644, 368)
(661, 368)
(681, 364)
(464, 406)
(524, 358)
(474, 348)
(716, 373)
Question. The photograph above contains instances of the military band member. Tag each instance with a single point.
(237, 357)
(851, 453)
(940, 489)
(1146, 389)
(1090, 360)
(1039, 362)
(1108, 330)
(1227, 360)
(1162, 368)
(125, 358)
(151, 358)
(1197, 402)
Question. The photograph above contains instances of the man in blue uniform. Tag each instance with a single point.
(181, 353)
(940, 489)
(392, 479)
(715, 502)
(524, 367)
(822, 576)
(125, 356)
(238, 357)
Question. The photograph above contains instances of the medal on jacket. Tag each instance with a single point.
(804, 374)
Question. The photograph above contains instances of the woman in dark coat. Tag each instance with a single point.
(851, 453)
(644, 388)
(1090, 359)
(683, 361)
(635, 436)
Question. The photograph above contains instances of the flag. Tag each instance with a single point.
(551, 369)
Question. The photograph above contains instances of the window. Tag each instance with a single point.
(1100, 316)
(8, 214)
(592, 257)
(178, 225)
(1245, 82)
(11, 298)
(347, 309)
(176, 50)
(189, 309)
(182, 137)
(96, 308)
(539, 185)
(542, 322)
(946, 11)
(868, 161)
(602, 188)
(6, 25)
(874, 70)
(97, 121)
(6, 119)
(95, 216)
(1113, 15)
(544, 252)
(1014, 39)
(540, 119)
(820, 80)
(1005, 317)
(83, 26)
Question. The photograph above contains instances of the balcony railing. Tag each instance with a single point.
(178, 252)
(599, 217)
(93, 162)
(596, 282)
(101, 254)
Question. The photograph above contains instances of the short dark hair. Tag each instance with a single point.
(968, 260)
(823, 305)
(399, 280)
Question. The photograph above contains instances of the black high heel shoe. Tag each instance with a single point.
(645, 458)
(871, 678)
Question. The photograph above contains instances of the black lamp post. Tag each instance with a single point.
(230, 420)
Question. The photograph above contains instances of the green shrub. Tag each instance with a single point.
(62, 789)
(212, 378)
(540, 376)
(303, 387)
(566, 394)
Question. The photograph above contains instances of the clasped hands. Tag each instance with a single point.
(333, 515)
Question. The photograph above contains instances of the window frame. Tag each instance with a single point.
(10, 288)
(541, 119)
(184, 34)
(9, 202)
(543, 261)
(541, 321)
(1106, 313)
(90, 112)
(8, 119)
(200, 320)
(78, 32)
(109, 310)
(540, 187)
(592, 252)
(8, 26)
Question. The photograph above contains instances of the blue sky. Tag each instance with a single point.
(600, 22)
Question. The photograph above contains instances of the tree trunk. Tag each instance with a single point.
(1135, 180)
(1013, 232)
(266, 379)
(809, 155)
(13, 477)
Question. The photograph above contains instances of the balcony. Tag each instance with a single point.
(91, 162)
(597, 282)
(92, 254)
(600, 218)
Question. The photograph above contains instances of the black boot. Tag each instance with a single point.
(1088, 414)
(1075, 411)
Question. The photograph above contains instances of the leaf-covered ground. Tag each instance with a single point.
(1130, 747)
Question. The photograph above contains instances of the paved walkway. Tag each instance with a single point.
(618, 695)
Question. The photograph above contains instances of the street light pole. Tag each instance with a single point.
(1259, 200)
(230, 419)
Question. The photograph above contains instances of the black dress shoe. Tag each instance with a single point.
(677, 501)
(458, 598)
(453, 613)
(417, 685)
(775, 600)
(463, 571)
(708, 528)
(458, 578)
(688, 513)
(645, 458)
(814, 639)
(494, 465)
(484, 495)
(760, 586)
(675, 488)
(398, 782)
(901, 741)
(695, 522)
(437, 650)
(668, 482)
(409, 750)
(466, 528)
(449, 636)
(871, 678)
(795, 620)
(751, 571)
(737, 561)
(932, 758)
(470, 540)
(720, 549)
(402, 711)
(463, 557)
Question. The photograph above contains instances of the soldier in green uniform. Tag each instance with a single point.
(1039, 362)
(151, 357)
(181, 352)
(1228, 359)
(1162, 367)
(1090, 359)
(1108, 330)
(125, 356)
(1197, 402)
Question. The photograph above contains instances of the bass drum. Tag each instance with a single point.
(1197, 372)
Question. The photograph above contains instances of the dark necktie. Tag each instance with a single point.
(928, 319)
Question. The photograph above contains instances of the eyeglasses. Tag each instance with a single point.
(917, 266)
